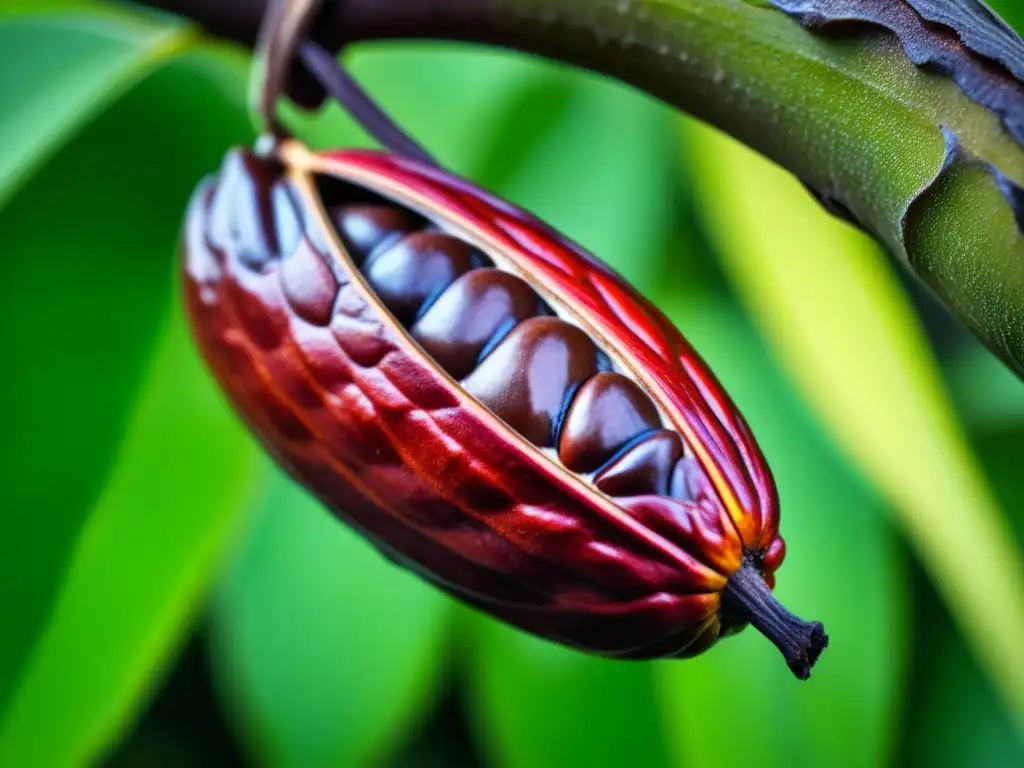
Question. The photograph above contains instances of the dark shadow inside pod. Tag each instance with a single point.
(626, 448)
(567, 401)
(364, 220)
(500, 333)
(334, 192)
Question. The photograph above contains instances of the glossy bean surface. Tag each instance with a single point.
(529, 377)
(473, 315)
(607, 412)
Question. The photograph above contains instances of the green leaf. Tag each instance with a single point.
(324, 652)
(955, 717)
(537, 704)
(599, 174)
(416, 83)
(739, 703)
(1001, 449)
(839, 321)
(140, 564)
(122, 472)
(987, 395)
(62, 71)
(522, 120)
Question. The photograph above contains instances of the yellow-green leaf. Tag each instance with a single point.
(842, 568)
(836, 316)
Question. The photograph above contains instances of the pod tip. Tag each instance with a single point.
(748, 597)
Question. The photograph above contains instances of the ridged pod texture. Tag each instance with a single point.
(479, 397)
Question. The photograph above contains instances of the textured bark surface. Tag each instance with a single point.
(962, 39)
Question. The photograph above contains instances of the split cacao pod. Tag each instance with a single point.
(485, 402)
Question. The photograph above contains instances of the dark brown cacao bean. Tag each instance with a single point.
(608, 412)
(364, 228)
(409, 274)
(528, 377)
(474, 313)
(645, 467)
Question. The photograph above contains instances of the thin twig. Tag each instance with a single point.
(343, 87)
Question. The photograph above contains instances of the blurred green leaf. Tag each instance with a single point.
(1001, 449)
(599, 174)
(413, 82)
(987, 394)
(738, 704)
(537, 704)
(419, 83)
(61, 72)
(955, 717)
(93, 603)
(841, 324)
(324, 652)
(523, 120)
(140, 564)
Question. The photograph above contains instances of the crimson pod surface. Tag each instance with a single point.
(487, 403)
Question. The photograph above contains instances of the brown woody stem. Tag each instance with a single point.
(747, 597)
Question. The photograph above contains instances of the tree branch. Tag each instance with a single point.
(894, 147)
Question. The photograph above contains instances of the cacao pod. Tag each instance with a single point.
(485, 402)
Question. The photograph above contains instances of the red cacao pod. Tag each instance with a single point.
(485, 402)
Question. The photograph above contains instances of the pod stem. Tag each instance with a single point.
(747, 597)
(336, 80)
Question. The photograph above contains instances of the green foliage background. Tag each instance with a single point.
(138, 519)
